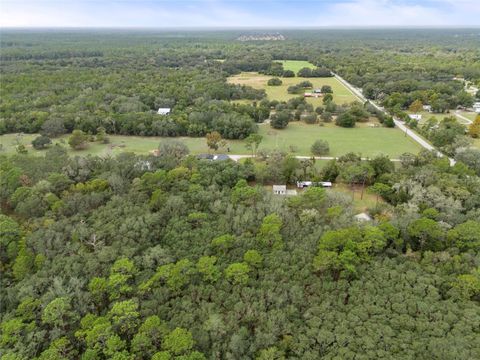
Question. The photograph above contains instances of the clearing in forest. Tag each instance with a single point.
(341, 94)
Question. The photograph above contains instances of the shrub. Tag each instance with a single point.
(345, 120)
(274, 82)
(41, 142)
(280, 120)
(320, 147)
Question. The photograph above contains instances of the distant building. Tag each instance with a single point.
(163, 111)
(305, 184)
(417, 117)
(317, 91)
(476, 107)
(427, 108)
(280, 189)
(363, 217)
(219, 157)
(308, 94)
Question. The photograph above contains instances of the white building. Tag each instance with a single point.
(363, 217)
(417, 117)
(476, 107)
(280, 189)
(427, 108)
(163, 111)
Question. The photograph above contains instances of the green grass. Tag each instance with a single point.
(341, 94)
(369, 201)
(298, 136)
(295, 65)
(362, 139)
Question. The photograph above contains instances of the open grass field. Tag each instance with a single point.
(295, 65)
(365, 140)
(296, 138)
(469, 114)
(369, 201)
(341, 94)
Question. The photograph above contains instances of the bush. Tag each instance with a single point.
(280, 120)
(388, 122)
(288, 74)
(320, 147)
(78, 140)
(309, 118)
(326, 117)
(327, 89)
(274, 82)
(41, 142)
(346, 120)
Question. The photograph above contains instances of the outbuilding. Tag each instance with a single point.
(280, 189)
(417, 117)
(163, 111)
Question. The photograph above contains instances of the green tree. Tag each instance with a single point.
(206, 266)
(58, 312)
(320, 147)
(41, 142)
(252, 142)
(426, 234)
(78, 140)
(253, 258)
(237, 273)
(178, 342)
(269, 232)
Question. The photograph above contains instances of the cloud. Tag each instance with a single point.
(237, 13)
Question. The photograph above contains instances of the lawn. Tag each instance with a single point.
(363, 139)
(369, 200)
(295, 65)
(341, 94)
(298, 137)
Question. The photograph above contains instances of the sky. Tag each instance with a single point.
(239, 13)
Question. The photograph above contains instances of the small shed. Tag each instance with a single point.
(163, 111)
(476, 107)
(417, 117)
(317, 91)
(363, 217)
(427, 108)
(280, 189)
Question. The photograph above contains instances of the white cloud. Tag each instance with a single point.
(400, 13)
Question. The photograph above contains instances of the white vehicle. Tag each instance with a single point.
(305, 184)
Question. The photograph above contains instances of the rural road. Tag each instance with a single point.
(457, 114)
(238, 157)
(398, 123)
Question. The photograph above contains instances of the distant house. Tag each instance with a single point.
(317, 91)
(219, 157)
(163, 111)
(476, 107)
(427, 108)
(305, 184)
(363, 217)
(308, 94)
(280, 189)
(417, 117)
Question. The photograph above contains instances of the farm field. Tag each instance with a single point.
(295, 65)
(341, 94)
(298, 137)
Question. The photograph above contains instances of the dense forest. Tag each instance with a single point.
(174, 256)
(117, 80)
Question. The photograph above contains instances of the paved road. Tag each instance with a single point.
(457, 113)
(238, 157)
(398, 123)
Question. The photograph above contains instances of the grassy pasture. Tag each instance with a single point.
(341, 94)
(298, 136)
(295, 65)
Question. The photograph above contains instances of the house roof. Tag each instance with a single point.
(363, 217)
(163, 111)
(279, 187)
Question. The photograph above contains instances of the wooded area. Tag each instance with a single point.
(178, 256)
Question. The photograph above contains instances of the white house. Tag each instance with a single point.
(163, 111)
(427, 108)
(363, 217)
(280, 189)
(417, 117)
(476, 107)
